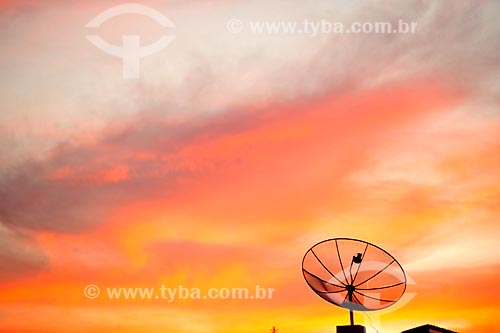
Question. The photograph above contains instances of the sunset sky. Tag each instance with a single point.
(233, 153)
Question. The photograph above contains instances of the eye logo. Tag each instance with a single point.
(130, 51)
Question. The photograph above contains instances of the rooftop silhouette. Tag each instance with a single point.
(428, 329)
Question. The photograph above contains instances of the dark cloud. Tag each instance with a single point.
(74, 188)
(20, 256)
(77, 186)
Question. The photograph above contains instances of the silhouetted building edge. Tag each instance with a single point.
(428, 329)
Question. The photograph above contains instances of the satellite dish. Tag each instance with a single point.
(354, 274)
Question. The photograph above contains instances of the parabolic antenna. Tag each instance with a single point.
(354, 274)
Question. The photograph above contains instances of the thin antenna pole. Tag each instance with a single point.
(351, 313)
